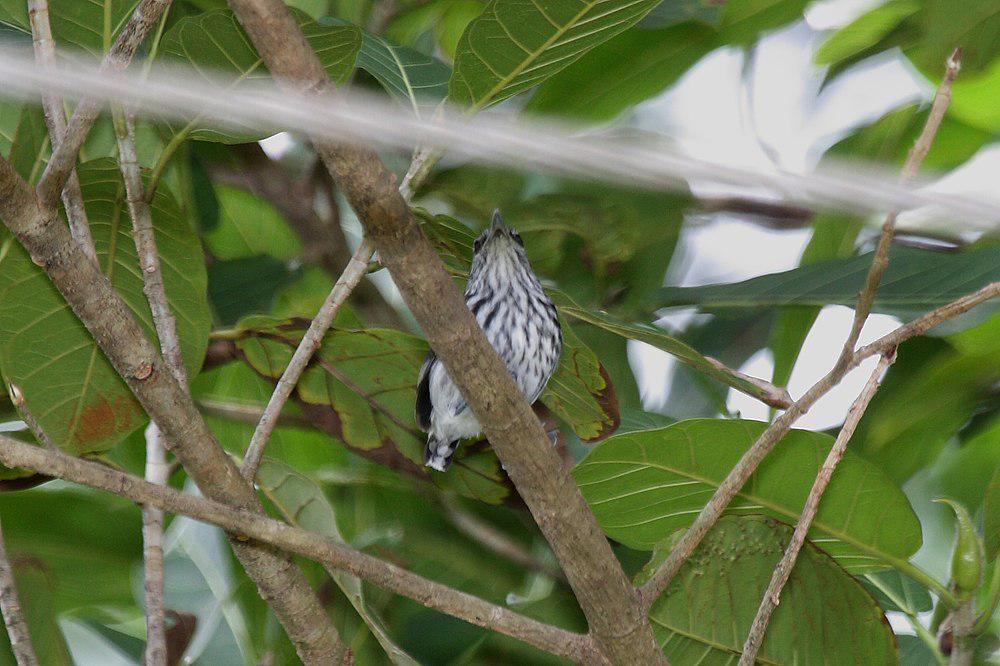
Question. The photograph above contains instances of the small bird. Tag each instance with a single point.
(520, 322)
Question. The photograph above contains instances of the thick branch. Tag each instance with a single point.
(55, 121)
(115, 329)
(355, 270)
(63, 158)
(617, 622)
(13, 617)
(247, 524)
(784, 569)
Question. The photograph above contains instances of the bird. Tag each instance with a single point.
(520, 322)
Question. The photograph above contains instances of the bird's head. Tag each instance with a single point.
(498, 241)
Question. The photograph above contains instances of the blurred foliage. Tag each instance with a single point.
(240, 256)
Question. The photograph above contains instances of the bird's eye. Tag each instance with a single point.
(478, 245)
(517, 237)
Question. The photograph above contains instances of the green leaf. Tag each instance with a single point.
(833, 237)
(244, 286)
(907, 425)
(824, 615)
(215, 42)
(639, 64)
(580, 392)
(889, 139)
(514, 45)
(420, 80)
(991, 517)
(669, 12)
(629, 69)
(865, 31)
(303, 504)
(89, 26)
(971, 94)
(658, 338)
(35, 584)
(915, 281)
(89, 541)
(68, 384)
(249, 226)
(896, 592)
(30, 148)
(643, 486)
(10, 118)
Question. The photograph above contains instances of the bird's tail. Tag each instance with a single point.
(438, 453)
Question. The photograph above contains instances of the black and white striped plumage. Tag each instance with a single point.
(519, 321)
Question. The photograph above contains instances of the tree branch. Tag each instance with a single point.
(10, 605)
(784, 569)
(880, 260)
(618, 624)
(17, 398)
(63, 159)
(115, 329)
(55, 121)
(247, 524)
(157, 470)
(846, 361)
(746, 466)
(355, 270)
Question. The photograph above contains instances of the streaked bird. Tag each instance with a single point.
(520, 322)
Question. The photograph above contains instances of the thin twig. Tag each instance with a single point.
(64, 155)
(13, 617)
(880, 260)
(784, 569)
(257, 527)
(17, 398)
(846, 361)
(493, 539)
(165, 325)
(157, 472)
(55, 120)
(355, 270)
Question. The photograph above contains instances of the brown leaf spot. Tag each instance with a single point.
(101, 419)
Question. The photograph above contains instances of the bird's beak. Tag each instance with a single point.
(497, 225)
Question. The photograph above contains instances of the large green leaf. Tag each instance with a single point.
(514, 45)
(248, 226)
(30, 148)
(825, 616)
(865, 31)
(302, 502)
(627, 70)
(86, 25)
(915, 281)
(87, 540)
(645, 485)
(907, 424)
(68, 384)
(215, 43)
(420, 80)
(640, 63)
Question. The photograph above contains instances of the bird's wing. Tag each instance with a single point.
(423, 407)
